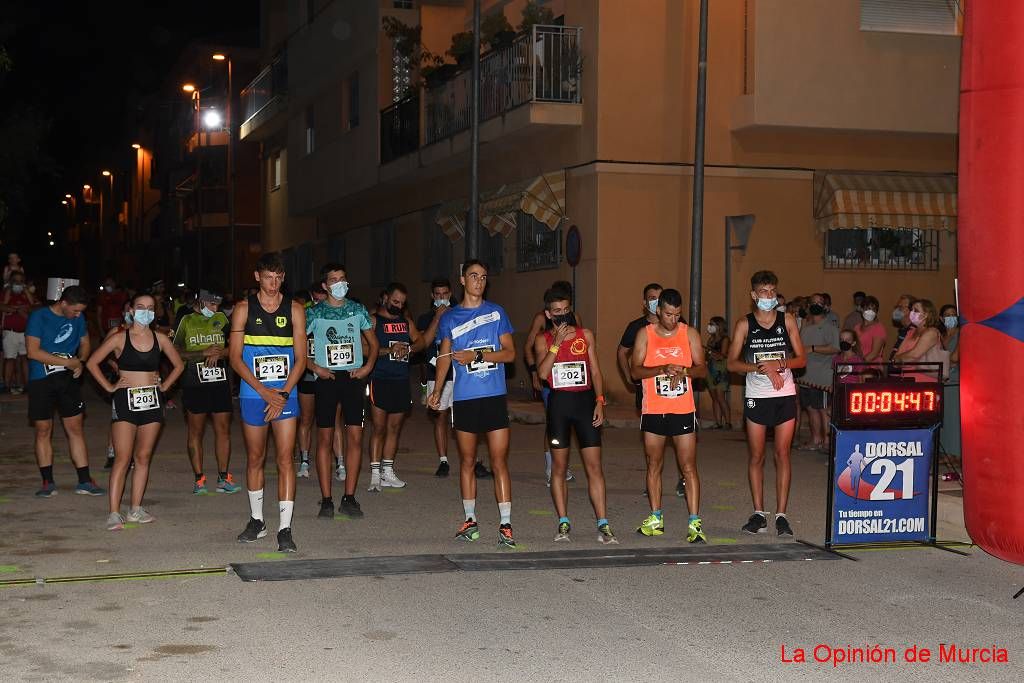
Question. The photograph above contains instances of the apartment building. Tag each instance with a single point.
(831, 149)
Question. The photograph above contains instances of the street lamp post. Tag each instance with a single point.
(229, 112)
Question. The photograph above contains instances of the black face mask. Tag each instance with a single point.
(563, 319)
(394, 310)
(845, 346)
(816, 309)
(802, 312)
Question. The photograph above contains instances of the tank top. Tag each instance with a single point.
(771, 343)
(660, 397)
(571, 371)
(390, 331)
(267, 346)
(133, 360)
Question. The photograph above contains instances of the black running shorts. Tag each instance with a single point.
(58, 391)
(669, 424)
(349, 393)
(770, 412)
(480, 415)
(139, 406)
(212, 397)
(572, 410)
(391, 395)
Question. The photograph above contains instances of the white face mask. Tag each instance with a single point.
(781, 308)
(652, 306)
(339, 290)
(712, 329)
(207, 313)
(950, 321)
(438, 303)
(869, 314)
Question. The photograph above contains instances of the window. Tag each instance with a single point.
(352, 96)
(310, 130)
(882, 249)
(437, 250)
(405, 4)
(492, 251)
(382, 254)
(275, 170)
(537, 246)
(936, 17)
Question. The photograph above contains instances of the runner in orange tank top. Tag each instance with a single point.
(667, 354)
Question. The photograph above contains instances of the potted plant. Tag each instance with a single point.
(534, 14)
(462, 48)
(496, 32)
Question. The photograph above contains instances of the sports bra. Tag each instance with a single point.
(133, 360)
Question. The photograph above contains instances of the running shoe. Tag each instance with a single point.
(349, 506)
(48, 489)
(442, 469)
(140, 516)
(115, 522)
(469, 531)
(782, 526)
(326, 509)
(109, 464)
(256, 528)
(563, 532)
(681, 488)
(388, 479)
(227, 485)
(505, 539)
(694, 533)
(652, 525)
(757, 524)
(285, 544)
(605, 535)
(89, 488)
(339, 470)
(199, 488)
(374, 481)
(303, 469)
(482, 472)
(569, 476)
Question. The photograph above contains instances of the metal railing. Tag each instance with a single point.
(400, 129)
(270, 84)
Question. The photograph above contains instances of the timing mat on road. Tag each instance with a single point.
(597, 558)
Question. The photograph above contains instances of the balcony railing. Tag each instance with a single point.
(400, 129)
(269, 85)
(543, 65)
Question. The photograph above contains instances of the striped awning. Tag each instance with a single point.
(848, 200)
(542, 197)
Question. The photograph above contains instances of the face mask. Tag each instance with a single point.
(897, 314)
(916, 318)
(845, 346)
(816, 309)
(144, 317)
(563, 319)
(438, 303)
(652, 306)
(128, 317)
(394, 310)
(207, 313)
(802, 313)
(869, 314)
(17, 289)
(227, 311)
(339, 290)
(712, 329)
(781, 308)
(767, 304)
(950, 321)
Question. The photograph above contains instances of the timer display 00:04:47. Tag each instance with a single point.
(886, 402)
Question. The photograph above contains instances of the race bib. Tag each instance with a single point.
(569, 374)
(271, 368)
(663, 387)
(310, 347)
(393, 355)
(143, 398)
(760, 356)
(208, 374)
(483, 366)
(50, 369)
(340, 356)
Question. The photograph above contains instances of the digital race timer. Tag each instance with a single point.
(895, 404)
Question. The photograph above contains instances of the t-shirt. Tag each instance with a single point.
(196, 332)
(111, 305)
(337, 334)
(15, 322)
(57, 335)
(819, 366)
(632, 329)
(852, 320)
(430, 353)
(477, 328)
(866, 336)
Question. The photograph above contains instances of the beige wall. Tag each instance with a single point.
(282, 230)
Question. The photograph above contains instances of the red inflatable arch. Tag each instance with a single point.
(991, 265)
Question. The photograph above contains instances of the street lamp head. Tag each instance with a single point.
(106, 173)
(67, 196)
(188, 87)
(86, 187)
(136, 145)
(220, 57)
(64, 202)
(212, 119)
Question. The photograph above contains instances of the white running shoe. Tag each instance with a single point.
(303, 470)
(115, 522)
(339, 469)
(388, 478)
(140, 516)
(374, 482)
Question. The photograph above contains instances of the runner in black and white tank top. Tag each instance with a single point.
(767, 343)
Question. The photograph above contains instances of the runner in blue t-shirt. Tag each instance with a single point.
(477, 335)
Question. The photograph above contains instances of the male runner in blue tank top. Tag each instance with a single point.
(268, 352)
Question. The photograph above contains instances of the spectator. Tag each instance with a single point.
(871, 334)
(13, 266)
(821, 341)
(949, 436)
(110, 306)
(849, 353)
(923, 341)
(830, 315)
(901, 320)
(855, 317)
(16, 304)
(716, 348)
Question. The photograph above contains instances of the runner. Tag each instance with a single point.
(477, 335)
(110, 304)
(540, 323)
(427, 324)
(268, 351)
(138, 406)
(338, 326)
(390, 398)
(569, 364)
(16, 305)
(206, 388)
(766, 346)
(57, 344)
(666, 356)
(110, 370)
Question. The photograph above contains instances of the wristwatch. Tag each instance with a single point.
(479, 356)
(285, 394)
